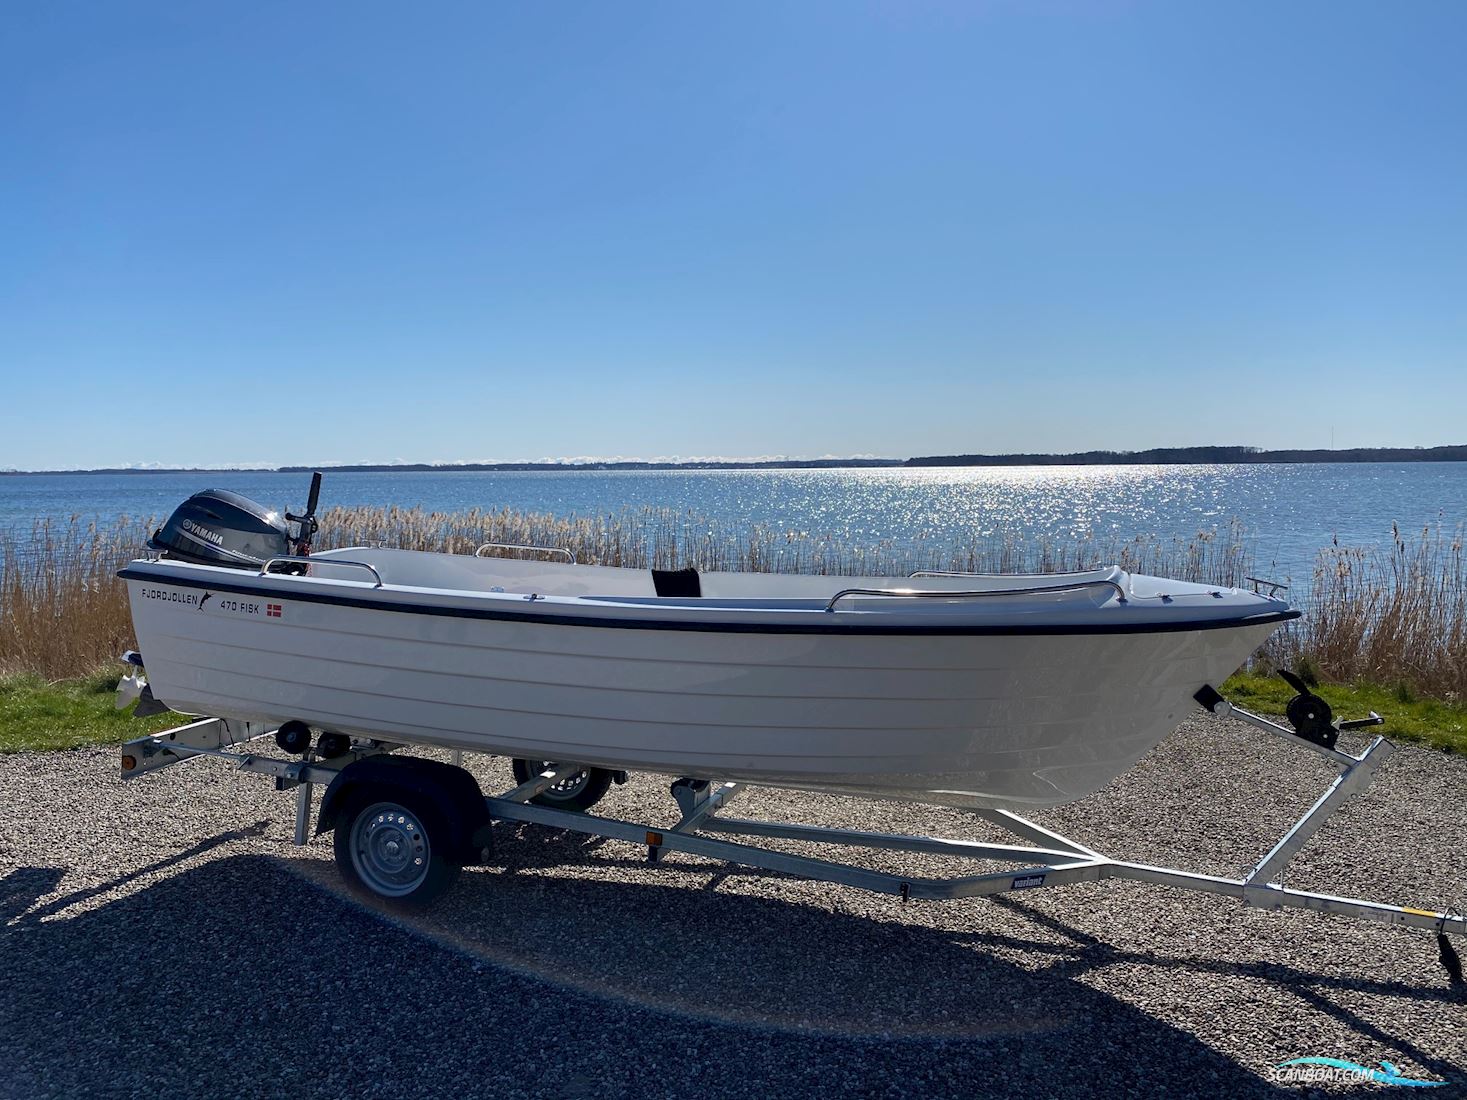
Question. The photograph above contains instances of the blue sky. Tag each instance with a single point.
(280, 233)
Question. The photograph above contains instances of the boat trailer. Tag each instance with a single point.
(404, 825)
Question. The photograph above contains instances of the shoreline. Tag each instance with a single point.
(1156, 456)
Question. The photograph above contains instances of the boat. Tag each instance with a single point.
(1001, 691)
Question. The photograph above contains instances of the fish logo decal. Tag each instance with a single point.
(204, 599)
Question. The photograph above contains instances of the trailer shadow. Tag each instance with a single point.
(234, 975)
(1084, 952)
(889, 992)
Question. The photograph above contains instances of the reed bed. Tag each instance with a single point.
(1395, 616)
(63, 612)
(667, 539)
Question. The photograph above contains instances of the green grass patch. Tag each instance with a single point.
(37, 715)
(1408, 718)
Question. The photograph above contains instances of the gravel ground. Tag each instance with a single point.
(163, 938)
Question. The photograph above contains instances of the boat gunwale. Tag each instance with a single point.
(832, 624)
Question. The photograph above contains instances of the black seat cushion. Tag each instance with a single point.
(676, 582)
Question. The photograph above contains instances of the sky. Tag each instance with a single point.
(305, 233)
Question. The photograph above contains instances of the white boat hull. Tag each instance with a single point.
(1031, 716)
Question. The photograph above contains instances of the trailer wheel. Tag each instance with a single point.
(393, 847)
(576, 792)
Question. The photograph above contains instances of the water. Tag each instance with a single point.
(1288, 512)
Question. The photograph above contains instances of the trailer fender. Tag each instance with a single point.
(452, 790)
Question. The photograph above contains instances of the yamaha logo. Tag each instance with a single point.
(203, 532)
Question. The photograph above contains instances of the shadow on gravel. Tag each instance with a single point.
(23, 887)
(236, 977)
(66, 901)
(1084, 952)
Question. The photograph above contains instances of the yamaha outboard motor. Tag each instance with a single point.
(217, 527)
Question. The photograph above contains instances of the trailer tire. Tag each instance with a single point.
(393, 847)
(578, 793)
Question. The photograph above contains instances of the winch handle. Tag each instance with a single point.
(1294, 682)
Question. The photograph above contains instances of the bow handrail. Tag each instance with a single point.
(923, 593)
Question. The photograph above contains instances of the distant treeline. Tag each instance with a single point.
(515, 467)
(1189, 455)
(1156, 455)
(506, 467)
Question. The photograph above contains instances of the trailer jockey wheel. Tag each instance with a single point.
(392, 846)
(576, 792)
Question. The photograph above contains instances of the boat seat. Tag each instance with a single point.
(676, 582)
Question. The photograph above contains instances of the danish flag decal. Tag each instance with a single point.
(272, 610)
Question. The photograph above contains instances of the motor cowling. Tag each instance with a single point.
(217, 527)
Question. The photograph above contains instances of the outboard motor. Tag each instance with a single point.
(218, 527)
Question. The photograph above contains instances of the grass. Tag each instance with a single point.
(1442, 725)
(37, 715)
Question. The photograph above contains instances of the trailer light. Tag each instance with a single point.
(129, 762)
(654, 840)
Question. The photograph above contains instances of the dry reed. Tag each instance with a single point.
(1389, 617)
(63, 612)
(666, 539)
(1395, 616)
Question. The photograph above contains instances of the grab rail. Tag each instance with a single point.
(917, 593)
(264, 569)
(479, 553)
(1273, 586)
(949, 573)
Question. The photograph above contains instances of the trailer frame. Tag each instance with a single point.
(1045, 859)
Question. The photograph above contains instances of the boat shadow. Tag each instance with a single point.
(190, 978)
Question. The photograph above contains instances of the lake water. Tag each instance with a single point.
(1288, 512)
